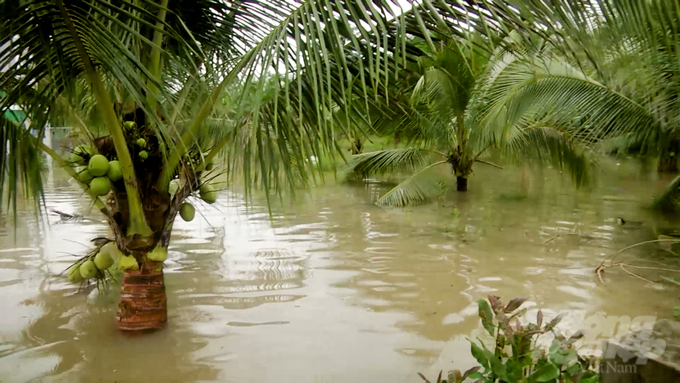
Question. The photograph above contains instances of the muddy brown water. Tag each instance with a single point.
(331, 289)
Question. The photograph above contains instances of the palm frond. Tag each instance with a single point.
(554, 147)
(669, 200)
(416, 189)
(20, 163)
(390, 160)
(551, 89)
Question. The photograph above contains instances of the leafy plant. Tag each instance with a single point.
(516, 356)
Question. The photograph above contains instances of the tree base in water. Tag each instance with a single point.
(461, 183)
(143, 304)
(668, 165)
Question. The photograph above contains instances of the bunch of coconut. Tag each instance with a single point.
(99, 172)
(94, 265)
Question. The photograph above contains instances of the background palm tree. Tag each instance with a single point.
(625, 91)
(452, 120)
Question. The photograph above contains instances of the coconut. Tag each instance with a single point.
(74, 274)
(85, 176)
(128, 262)
(208, 194)
(143, 154)
(111, 249)
(173, 187)
(159, 254)
(100, 186)
(88, 269)
(209, 165)
(115, 172)
(187, 211)
(130, 125)
(103, 260)
(98, 165)
(141, 142)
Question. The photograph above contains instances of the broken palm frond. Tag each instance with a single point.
(609, 262)
(677, 240)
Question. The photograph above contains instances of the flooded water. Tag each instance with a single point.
(334, 289)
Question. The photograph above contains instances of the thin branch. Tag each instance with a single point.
(489, 163)
(651, 268)
(635, 275)
(81, 124)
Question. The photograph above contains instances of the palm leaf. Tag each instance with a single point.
(20, 164)
(390, 160)
(414, 190)
(549, 145)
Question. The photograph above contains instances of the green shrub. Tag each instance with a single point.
(516, 356)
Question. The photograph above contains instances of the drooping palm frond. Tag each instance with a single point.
(550, 88)
(390, 160)
(548, 145)
(624, 71)
(416, 189)
(669, 200)
(20, 162)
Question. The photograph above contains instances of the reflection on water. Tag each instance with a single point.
(336, 289)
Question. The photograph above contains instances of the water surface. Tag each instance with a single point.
(333, 289)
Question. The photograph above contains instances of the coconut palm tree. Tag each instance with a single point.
(152, 72)
(452, 121)
(626, 91)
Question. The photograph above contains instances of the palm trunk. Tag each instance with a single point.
(668, 164)
(143, 304)
(461, 183)
(356, 147)
(668, 161)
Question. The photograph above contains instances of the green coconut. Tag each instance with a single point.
(130, 125)
(112, 250)
(159, 254)
(115, 172)
(208, 194)
(173, 187)
(187, 212)
(88, 269)
(141, 142)
(127, 262)
(100, 186)
(209, 165)
(98, 165)
(74, 274)
(143, 154)
(85, 176)
(103, 260)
